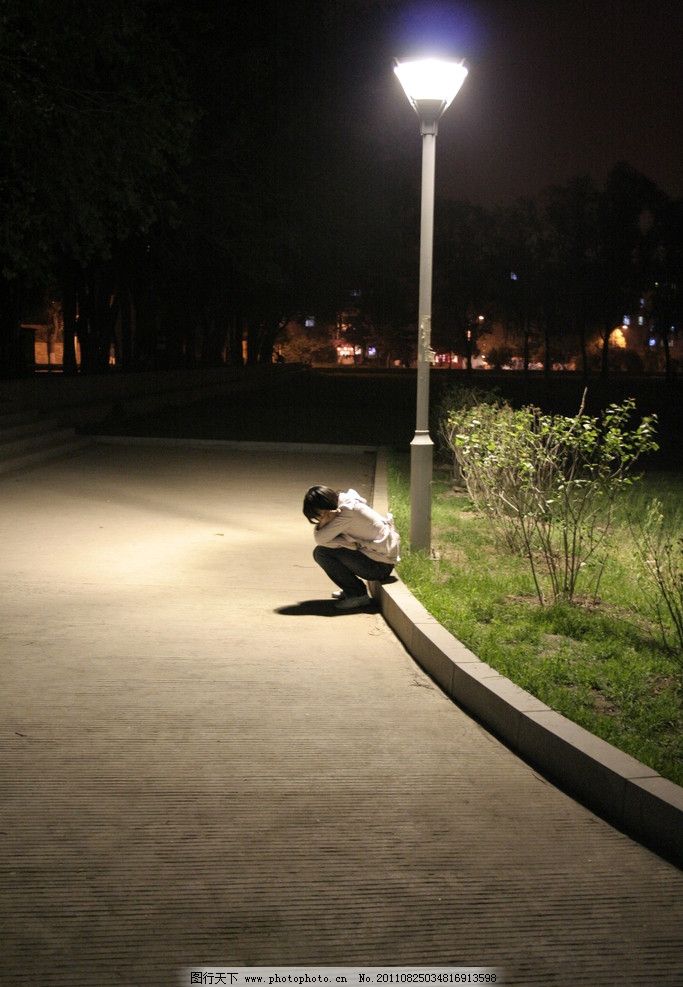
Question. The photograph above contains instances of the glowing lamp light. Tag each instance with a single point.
(431, 85)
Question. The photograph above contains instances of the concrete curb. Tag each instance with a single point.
(619, 788)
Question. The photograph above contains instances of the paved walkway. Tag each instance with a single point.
(200, 767)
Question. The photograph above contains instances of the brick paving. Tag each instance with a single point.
(200, 767)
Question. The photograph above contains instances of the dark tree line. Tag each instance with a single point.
(167, 178)
(136, 180)
(96, 126)
(559, 270)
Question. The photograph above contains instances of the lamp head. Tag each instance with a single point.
(430, 84)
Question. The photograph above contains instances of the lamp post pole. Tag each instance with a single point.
(422, 447)
(430, 85)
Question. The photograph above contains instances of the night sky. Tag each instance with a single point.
(556, 89)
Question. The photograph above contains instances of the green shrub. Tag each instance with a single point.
(658, 547)
(548, 483)
(456, 400)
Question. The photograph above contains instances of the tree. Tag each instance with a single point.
(663, 276)
(520, 268)
(93, 131)
(300, 344)
(622, 245)
(572, 253)
(463, 271)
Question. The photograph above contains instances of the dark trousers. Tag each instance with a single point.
(345, 565)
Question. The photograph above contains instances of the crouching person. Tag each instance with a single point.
(353, 543)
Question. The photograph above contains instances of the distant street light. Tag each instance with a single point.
(430, 85)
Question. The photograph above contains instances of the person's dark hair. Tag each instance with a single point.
(319, 499)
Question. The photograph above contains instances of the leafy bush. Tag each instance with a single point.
(455, 400)
(658, 547)
(548, 483)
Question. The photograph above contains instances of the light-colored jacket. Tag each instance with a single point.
(358, 526)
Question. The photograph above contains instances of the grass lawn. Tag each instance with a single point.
(603, 666)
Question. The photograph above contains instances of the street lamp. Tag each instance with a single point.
(430, 85)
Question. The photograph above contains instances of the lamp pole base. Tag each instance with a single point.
(421, 460)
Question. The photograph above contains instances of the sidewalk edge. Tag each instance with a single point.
(613, 784)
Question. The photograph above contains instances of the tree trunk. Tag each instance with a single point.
(104, 314)
(235, 342)
(253, 338)
(604, 360)
(525, 354)
(584, 349)
(269, 332)
(111, 314)
(214, 342)
(668, 370)
(13, 357)
(546, 347)
(126, 348)
(84, 324)
(145, 317)
(69, 311)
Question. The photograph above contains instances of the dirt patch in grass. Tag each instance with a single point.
(666, 683)
(449, 553)
(602, 704)
(553, 642)
(450, 493)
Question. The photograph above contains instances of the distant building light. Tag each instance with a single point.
(372, 351)
(618, 339)
(642, 303)
(513, 276)
(641, 320)
(357, 350)
(310, 322)
(480, 318)
(626, 321)
(652, 341)
(355, 292)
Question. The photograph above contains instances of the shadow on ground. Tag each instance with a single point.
(321, 608)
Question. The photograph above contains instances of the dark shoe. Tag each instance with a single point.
(354, 602)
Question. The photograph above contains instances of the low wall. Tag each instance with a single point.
(91, 399)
